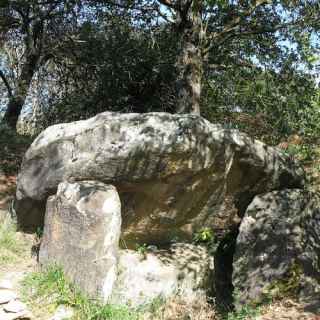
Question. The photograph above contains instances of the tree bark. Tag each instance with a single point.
(19, 95)
(189, 61)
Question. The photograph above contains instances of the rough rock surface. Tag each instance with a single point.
(11, 308)
(174, 173)
(278, 248)
(63, 313)
(81, 234)
(183, 269)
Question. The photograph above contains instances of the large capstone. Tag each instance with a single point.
(175, 174)
(81, 235)
(278, 249)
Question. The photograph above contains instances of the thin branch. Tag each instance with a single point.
(236, 21)
(163, 15)
(120, 5)
(256, 31)
(168, 3)
(18, 9)
(234, 63)
(5, 81)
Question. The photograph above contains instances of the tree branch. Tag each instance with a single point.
(256, 31)
(120, 5)
(168, 3)
(163, 15)
(234, 63)
(5, 81)
(236, 21)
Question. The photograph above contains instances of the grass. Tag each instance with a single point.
(12, 247)
(44, 290)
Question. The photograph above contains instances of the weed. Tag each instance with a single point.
(39, 233)
(205, 235)
(11, 247)
(142, 248)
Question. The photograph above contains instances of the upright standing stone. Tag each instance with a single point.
(278, 248)
(81, 234)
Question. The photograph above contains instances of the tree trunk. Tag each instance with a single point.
(20, 92)
(189, 61)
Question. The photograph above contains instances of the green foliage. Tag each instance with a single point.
(118, 58)
(263, 78)
(52, 288)
(303, 152)
(142, 248)
(268, 105)
(118, 66)
(205, 235)
(13, 147)
(39, 233)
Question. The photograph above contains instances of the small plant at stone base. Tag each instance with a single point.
(39, 233)
(205, 235)
(142, 248)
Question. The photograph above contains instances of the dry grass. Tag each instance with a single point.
(286, 309)
(10, 246)
(15, 247)
(177, 308)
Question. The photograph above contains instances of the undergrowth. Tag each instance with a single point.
(50, 288)
(45, 290)
(12, 248)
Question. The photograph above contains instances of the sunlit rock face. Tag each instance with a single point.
(278, 248)
(175, 174)
(143, 276)
(81, 235)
